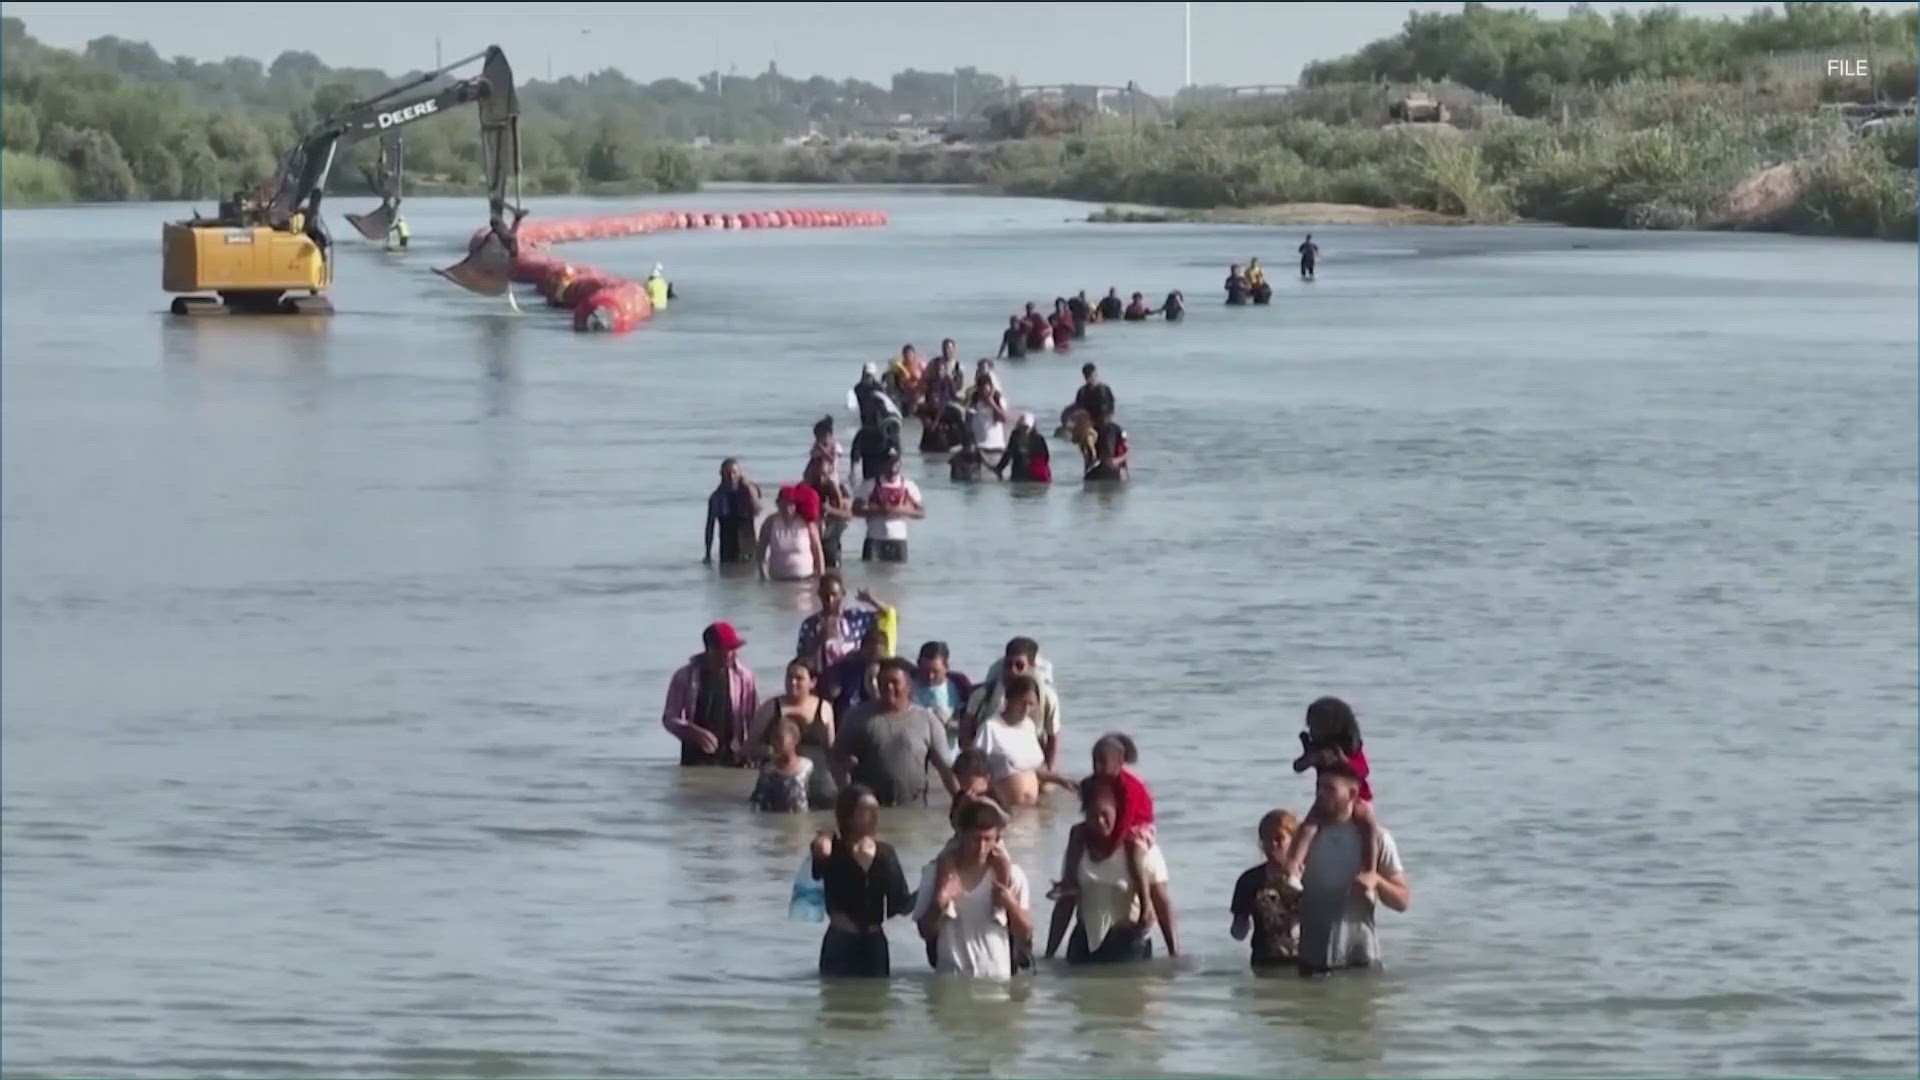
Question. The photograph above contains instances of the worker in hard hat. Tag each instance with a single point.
(398, 234)
(658, 290)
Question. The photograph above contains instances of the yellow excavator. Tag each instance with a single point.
(268, 251)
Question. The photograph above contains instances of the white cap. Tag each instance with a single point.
(658, 270)
(1026, 419)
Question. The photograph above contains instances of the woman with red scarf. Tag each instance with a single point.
(1128, 830)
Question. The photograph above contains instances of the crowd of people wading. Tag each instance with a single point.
(857, 727)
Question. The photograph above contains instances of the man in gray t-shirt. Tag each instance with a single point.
(889, 743)
(1337, 906)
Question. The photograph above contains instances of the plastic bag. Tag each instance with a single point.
(808, 902)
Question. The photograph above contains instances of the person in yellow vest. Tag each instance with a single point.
(658, 291)
(399, 234)
(1256, 275)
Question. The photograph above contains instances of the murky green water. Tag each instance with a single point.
(334, 654)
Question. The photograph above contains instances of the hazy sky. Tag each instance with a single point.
(1233, 43)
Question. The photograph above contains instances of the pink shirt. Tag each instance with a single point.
(683, 691)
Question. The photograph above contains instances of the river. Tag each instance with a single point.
(334, 651)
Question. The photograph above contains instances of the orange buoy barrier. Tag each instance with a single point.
(616, 308)
(603, 301)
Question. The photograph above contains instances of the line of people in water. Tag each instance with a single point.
(857, 728)
(1033, 331)
(970, 422)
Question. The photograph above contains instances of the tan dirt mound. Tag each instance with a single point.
(1760, 201)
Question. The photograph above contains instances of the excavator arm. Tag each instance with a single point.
(387, 178)
(302, 178)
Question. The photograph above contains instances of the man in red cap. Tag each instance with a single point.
(711, 702)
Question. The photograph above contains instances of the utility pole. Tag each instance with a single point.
(1873, 73)
(956, 93)
(1189, 40)
(437, 63)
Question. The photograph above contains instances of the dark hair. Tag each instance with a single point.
(934, 650)
(971, 762)
(1014, 318)
(1088, 369)
(1118, 743)
(829, 578)
(1097, 785)
(1016, 685)
(823, 425)
(849, 800)
(802, 663)
(1337, 717)
(978, 814)
(895, 663)
(1024, 646)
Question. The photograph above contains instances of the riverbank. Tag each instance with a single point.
(1277, 214)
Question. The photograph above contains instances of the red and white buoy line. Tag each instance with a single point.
(621, 304)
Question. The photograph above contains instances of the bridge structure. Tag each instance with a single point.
(1260, 90)
(1133, 103)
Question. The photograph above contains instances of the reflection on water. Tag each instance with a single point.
(334, 651)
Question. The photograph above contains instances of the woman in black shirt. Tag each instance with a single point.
(864, 885)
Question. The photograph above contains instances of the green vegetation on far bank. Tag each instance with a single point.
(1702, 124)
(1652, 120)
(1705, 162)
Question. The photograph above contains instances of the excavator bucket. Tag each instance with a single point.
(376, 224)
(486, 271)
(385, 178)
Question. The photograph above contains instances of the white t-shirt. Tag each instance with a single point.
(1106, 890)
(1010, 748)
(989, 431)
(974, 940)
(893, 495)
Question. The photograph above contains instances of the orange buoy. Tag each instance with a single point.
(614, 308)
(603, 301)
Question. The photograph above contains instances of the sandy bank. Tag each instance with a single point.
(1275, 214)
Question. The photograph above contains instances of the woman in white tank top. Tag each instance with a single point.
(789, 543)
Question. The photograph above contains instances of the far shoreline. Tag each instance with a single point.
(1287, 214)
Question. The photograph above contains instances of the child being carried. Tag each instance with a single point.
(1332, 739)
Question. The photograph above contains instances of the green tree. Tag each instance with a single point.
(19, 125)
(673, 170)
(30, 180)
(100, 171)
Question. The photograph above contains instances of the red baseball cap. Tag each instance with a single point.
(722, 636)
